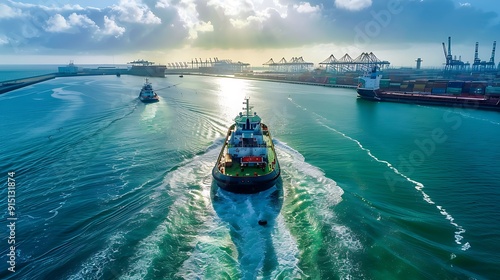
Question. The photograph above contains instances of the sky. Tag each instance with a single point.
(251, 31)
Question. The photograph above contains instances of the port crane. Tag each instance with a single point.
(481, 66)
(491, 64)
(453, 64)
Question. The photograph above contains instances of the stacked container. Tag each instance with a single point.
(454, 87)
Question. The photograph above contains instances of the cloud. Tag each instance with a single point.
(111, 28)
(136, 12)
(353, 5)
(81, 20)
(9, 12)
(57, 23)
(162, 4)
(305, 7)
(239, 24)
(232, 8)
(3, 40)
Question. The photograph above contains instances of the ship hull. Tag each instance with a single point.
(148, 71)
(370, 94)
(486, 103)
(246, 185)
(149, 100)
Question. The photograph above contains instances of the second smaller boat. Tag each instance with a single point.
(147, 94)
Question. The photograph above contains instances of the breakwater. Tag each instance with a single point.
(11, 85)
(7, 86)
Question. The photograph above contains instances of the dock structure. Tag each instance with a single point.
(295, 64)
(177, 65)
(207, 66)
(364, 62)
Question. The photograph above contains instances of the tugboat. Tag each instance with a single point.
(247, 162)
(147, 94)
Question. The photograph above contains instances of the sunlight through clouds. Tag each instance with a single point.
(119, 27)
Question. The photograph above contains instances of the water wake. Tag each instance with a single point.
(418, 185)
(208, 233)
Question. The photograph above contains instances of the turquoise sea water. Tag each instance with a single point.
(110, 188)
(12, 72)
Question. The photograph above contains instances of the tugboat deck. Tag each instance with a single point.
(238, 169)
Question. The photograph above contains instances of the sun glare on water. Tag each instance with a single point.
(232, 93)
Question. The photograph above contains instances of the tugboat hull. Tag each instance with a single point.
(149, 100)
(246, 185)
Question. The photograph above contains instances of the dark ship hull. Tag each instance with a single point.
(472, 102)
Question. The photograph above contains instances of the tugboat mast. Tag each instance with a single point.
(247, 108)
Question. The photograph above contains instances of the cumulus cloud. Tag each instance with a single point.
(305, 7)
(136, 12)
(81, 20)
(57, 23)
(237, 24)
(111, 28)
(162, 4)
(353, 5)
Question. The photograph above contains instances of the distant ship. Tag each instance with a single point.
(369, 88)
(247, 162)
(147, 94)
(146, 68)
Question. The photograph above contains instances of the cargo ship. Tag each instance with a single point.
(146, 68)
(443, 93)
(247, 162)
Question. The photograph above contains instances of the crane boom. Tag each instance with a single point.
(445, 54)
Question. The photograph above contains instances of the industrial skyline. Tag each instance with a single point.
(253, 31)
